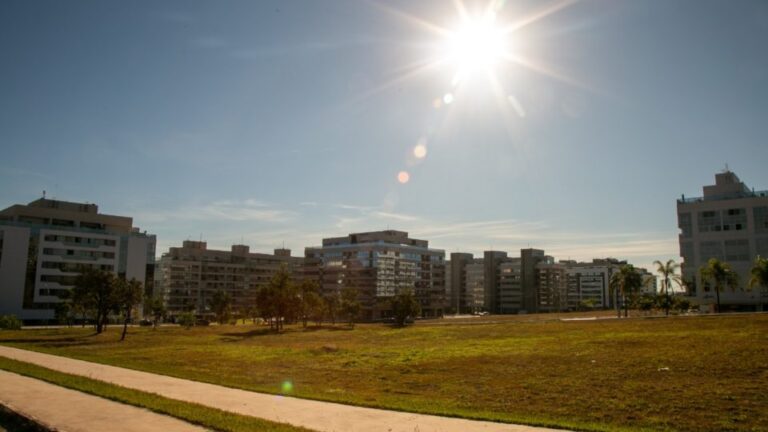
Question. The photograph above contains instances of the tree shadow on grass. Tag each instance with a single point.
(53, 340)
(266, 331)
(316, 328)
(236, 337)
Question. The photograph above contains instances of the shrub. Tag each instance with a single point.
(186, 320)
(10, 322)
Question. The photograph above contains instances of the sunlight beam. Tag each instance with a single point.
(530, 19)
(543, 70)
(405, 73)
(423, 24)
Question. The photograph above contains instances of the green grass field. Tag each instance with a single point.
(706, 373)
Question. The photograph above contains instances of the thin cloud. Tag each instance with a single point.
(221, 211)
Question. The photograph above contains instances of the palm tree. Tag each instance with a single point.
(720, 274)
(759, 276)
(625, 282)
(668, 275)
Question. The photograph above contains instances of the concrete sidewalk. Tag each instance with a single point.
(58, 408)
(320, 416)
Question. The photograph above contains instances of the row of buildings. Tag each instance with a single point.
(531, 283)
(44, 244)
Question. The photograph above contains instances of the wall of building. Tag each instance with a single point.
(729, 223)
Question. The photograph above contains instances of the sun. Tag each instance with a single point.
(477, 45)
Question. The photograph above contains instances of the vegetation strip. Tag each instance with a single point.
(198, 414)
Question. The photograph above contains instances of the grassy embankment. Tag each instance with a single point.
(198, 414)
(680, 373)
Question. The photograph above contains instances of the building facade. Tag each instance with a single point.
(534, 282)
(730, 223)
(45, 244)
(380, 265)
(475, 273)
(189, 276)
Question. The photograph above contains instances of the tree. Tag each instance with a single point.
(668, 275)
(252, 312)
(10, 322)
(350, 305)
(309, 300)
(127, 294)
(646, 302)
(759, 276)
(720, 275)
(186, 320)
(404, 305)
(278, 299)
(332, 301)
(94, 293)
(156, 309)
(625, 282)
(681, 304)
(266, 304)
(316, 307)
(62, 312)
(221, 304)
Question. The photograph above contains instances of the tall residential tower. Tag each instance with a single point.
(730, 223)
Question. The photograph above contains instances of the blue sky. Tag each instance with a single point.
(268, 122)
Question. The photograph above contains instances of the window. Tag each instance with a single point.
(761, 219)
(686, 251)
(710, 249)
(684, 222)
(709, 221)
(737, 250)
(762, 246)
(62, 222)
(734, 219)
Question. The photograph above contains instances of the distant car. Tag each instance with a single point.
(145, 323)
(202, 322)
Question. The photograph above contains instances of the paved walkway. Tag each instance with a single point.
(58, 408)
(321, 416)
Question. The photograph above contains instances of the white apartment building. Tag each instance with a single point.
(44, 244)
(730, 223)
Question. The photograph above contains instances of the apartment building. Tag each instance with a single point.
(465, 283)
(379, 265)
(730, 223)
(44, 245)
(534, 282)
(509, 286)
(189, 276)
(551, 286)
(475, 283)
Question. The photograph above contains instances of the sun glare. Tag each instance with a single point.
(481, 48)
(478, 44)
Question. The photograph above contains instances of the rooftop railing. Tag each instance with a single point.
(753, 194)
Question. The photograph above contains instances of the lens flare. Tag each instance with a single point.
(403, 177)
(420, 151)
(448, 98)
(287, 386)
